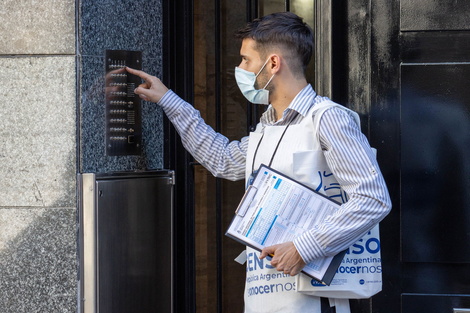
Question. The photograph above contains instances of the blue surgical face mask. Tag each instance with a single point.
(246, 82)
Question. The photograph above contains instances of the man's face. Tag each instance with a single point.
(252, 62)
(250, 57)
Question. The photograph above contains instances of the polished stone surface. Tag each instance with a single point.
(38, 260)
(38, 146)
(127, 25)
(93, 156)
(37, 27)
(45, 112)
(122, 25)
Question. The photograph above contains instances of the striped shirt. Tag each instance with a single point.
(346, 150)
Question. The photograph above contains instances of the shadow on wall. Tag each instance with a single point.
(38, 266)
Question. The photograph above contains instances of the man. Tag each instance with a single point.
(275, 51)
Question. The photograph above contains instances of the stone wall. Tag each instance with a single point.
(52, 127)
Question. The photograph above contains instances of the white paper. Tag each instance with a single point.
(277, 209)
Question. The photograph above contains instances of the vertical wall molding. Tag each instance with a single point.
(323, 48)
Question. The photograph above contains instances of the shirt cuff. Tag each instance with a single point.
(169, 102)
(308, 247)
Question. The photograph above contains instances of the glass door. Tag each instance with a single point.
(219, 279)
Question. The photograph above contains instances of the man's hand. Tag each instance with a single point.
(152, 89)
(285, 258)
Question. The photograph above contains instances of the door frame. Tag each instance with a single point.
(178, 76)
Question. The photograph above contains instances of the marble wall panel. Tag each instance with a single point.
(38, 260)
(48, 120)
(93, 156)
(124, 25)
(121, 25)
(37, 27)
(38, 146)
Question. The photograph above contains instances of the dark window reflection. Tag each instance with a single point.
(435, 142)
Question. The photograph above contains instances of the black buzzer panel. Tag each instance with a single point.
(123, 107)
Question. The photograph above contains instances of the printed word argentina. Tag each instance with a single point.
(360, 258)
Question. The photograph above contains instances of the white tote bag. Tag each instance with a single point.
(358, 277)
(360, 274)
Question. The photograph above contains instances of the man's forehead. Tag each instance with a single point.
(248, 48)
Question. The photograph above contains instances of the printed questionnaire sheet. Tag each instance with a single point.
(276, 209)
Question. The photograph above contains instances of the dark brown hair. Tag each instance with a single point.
(285, 30)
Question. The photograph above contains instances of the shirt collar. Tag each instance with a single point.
(301, 104)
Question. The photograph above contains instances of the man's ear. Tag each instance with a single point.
(275, 63)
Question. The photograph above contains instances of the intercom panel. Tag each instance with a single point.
(123, 107)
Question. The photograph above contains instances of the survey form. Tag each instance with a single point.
(276, 209)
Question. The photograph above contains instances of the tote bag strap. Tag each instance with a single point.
(320, 108)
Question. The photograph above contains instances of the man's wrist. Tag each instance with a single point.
(307, 247)
(162, 99)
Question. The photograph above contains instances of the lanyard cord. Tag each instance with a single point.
(275, 150)
(277, 146)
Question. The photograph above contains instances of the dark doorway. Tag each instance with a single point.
(404, 65)
(219, 279)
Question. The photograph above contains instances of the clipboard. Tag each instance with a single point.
(276, 209)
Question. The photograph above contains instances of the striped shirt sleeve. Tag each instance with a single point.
(353, 163)
(223, 158)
